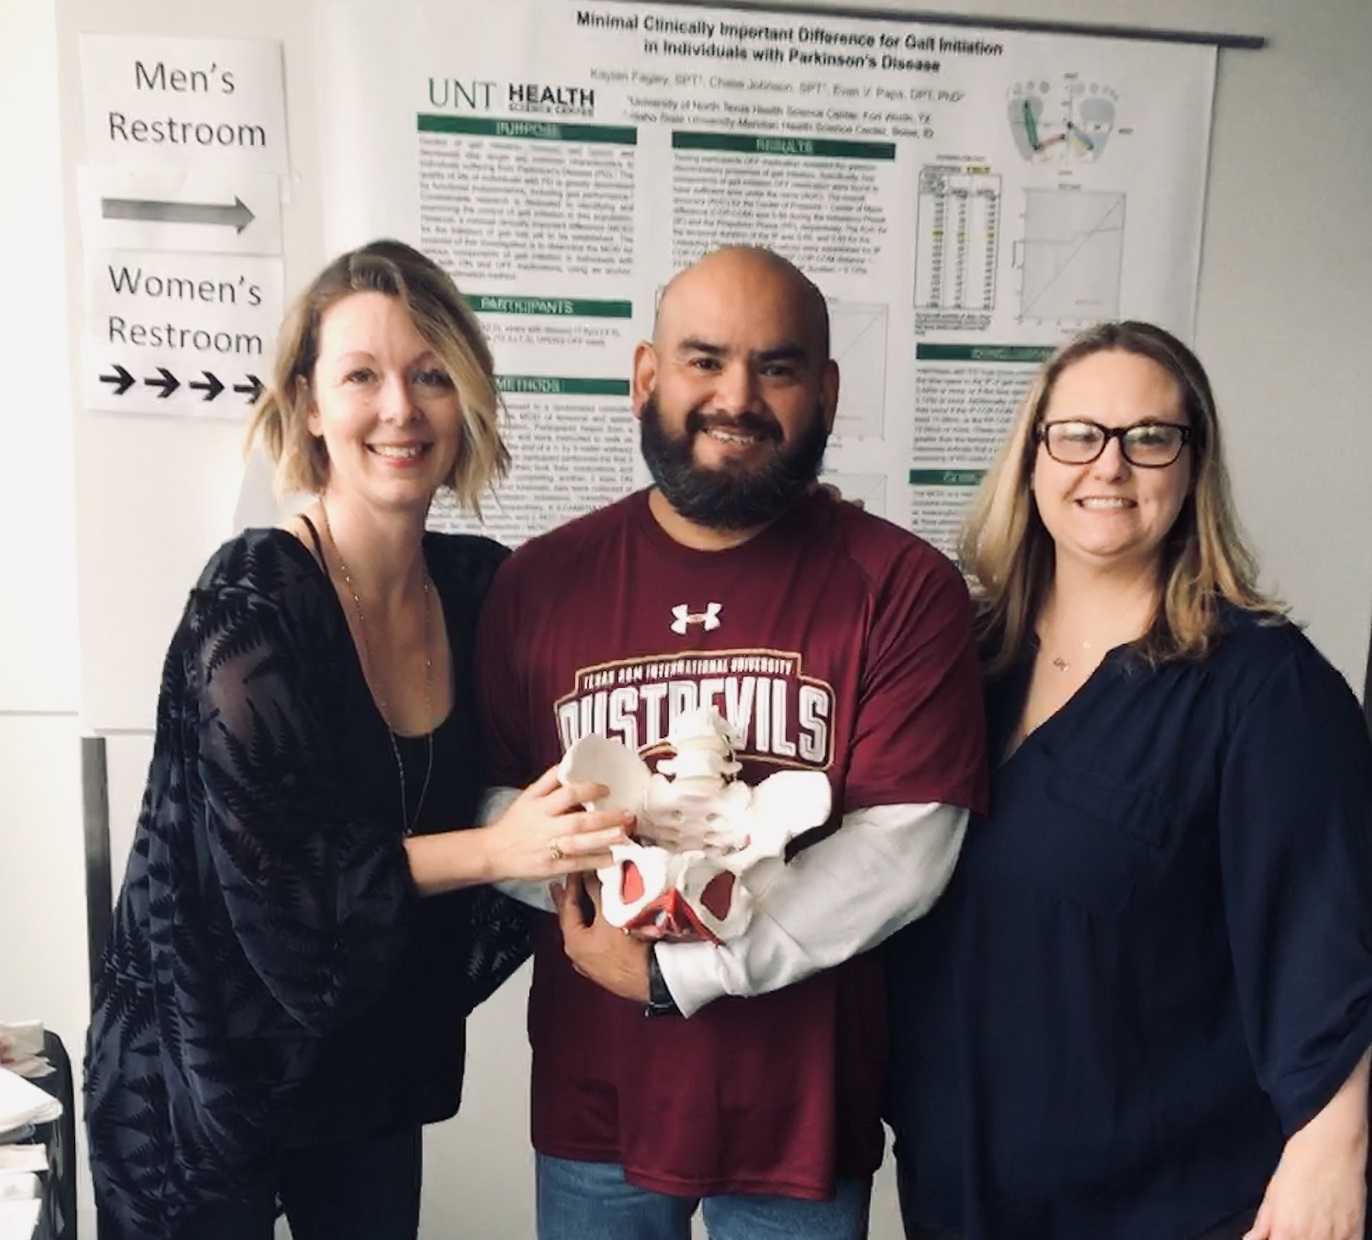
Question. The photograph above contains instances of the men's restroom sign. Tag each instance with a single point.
(153, 99)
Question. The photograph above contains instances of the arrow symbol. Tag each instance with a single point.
(238, 215)
(121, 379)
(253, 388)
(211, 389)
(168, 383)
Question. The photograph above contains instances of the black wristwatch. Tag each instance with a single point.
(660, 1001)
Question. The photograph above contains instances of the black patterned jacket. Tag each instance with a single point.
(272, 978)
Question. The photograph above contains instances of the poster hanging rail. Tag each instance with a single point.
(1100, 30)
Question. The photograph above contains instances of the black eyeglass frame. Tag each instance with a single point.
(1114, 432)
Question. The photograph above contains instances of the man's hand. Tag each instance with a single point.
(598, 950)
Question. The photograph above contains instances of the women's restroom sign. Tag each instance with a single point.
(178, 333)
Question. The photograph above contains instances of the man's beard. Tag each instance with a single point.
(732, 497)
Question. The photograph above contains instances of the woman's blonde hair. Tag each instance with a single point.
(440, 316)
(1205, 562)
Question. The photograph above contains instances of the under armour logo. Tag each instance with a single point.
(683, 617)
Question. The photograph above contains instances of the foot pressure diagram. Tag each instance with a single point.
(1066, 120)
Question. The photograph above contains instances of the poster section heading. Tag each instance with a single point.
(574, 446)
(966, 398)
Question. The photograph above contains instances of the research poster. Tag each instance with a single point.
(966, 199)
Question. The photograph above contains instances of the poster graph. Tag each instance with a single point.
(1072, 254)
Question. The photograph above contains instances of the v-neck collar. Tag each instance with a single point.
(1015, 683)
(335, 604)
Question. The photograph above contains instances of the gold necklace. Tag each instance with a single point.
(1061, 662)
(407, 823)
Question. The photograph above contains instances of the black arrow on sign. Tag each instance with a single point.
(211, 389)
(253, 388)
(238, 215)
(122, 380)
(168, 383)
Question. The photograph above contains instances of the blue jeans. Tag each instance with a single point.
(593, 1201)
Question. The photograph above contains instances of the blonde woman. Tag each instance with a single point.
(300, 932)
(1144, 1005)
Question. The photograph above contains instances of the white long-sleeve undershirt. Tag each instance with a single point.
(882, 868)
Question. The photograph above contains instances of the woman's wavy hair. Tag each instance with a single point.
(1205, 561)
(440, 315)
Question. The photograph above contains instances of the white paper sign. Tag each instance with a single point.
(154, 99)
(189, 334)
(180, 209)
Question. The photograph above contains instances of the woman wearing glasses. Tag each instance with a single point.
(1143, 1007)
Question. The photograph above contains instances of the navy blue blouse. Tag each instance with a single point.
(1154, 961)
(272, 978)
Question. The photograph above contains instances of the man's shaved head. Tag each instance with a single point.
(747, 266)
(736, 392)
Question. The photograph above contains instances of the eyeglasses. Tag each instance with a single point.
(1150, 445)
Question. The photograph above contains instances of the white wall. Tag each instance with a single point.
(1285, 304)
(42, 901)
(37, 513)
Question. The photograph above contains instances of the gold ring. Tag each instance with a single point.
(556, 849)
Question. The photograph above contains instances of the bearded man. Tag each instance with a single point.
(742, 1077)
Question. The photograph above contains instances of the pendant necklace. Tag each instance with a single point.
(1062, 663)
(407, 821)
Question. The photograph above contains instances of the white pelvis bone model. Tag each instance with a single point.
(697, 833)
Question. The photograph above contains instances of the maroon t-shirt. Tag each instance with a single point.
(833, 641)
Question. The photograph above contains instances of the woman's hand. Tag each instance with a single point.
(1319, 1190)
(547, 834)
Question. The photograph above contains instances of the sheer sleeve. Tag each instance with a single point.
(1296, 857)
(500, 932)
(317, 897)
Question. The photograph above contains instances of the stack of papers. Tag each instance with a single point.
(22, 1104)
(23, 1158)
(18, 1186)
(19, 1219)
(20, 1189)
(21, 1049)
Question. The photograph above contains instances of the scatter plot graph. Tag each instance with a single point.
(1071, 255)
(958, 225)
(858, 344)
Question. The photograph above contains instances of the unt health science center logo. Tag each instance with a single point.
(538, 98)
